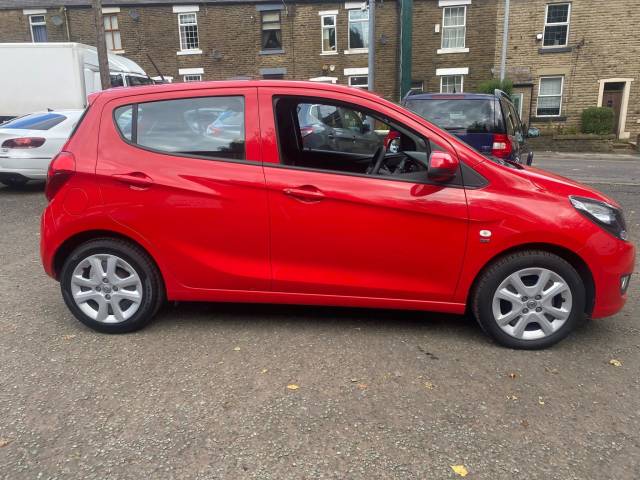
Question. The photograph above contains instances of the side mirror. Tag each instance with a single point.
(442, 166)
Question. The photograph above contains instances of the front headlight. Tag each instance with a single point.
(607, 216)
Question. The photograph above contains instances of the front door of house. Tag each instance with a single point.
(612, 98)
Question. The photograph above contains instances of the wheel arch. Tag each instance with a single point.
(71, 243)
(574, 260)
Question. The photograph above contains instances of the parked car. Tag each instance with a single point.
(28, 143)
(135, 219)
(489, 123)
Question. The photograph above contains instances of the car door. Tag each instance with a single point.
(197, 194)
(348, 234)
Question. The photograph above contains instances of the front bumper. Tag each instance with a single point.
(609, 260)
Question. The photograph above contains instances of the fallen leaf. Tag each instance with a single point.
(540, 400)
(264, 370)
(511, 397)
(524, 423)
(237, 349)
(513, 375)
(68, 337)
(551, 370)
(460, 470)
(615, 362)
(293, 386)
(429, 385)
(362, 386)
(4, 442)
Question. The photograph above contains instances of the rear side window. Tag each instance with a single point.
(208, 127)
(42, 121)
(472, 116)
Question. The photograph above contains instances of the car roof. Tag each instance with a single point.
(451, 96)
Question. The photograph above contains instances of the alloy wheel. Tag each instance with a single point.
(532, 303)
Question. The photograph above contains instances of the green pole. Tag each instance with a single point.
(406, 37)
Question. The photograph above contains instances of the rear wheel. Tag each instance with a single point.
(530, 300)
(111, 286)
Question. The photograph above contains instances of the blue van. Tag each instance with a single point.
(487, 122)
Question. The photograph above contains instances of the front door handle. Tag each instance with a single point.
(135, 179)
(306, 193)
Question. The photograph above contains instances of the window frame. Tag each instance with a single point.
(180, 25)
(323, 27)
(561, 77)
(362, 87)
(134, 128)
(43, 23)
(453, 75)
(464, 25)
(262, 30)
(365, 39)
(556, 24)
(520, 96)
(184, 77)
(456, 182)
(110, 32)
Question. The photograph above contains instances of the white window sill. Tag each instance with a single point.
(190, 52)
(117, 52)
(356, 51)
(441, 51)
(329, 53)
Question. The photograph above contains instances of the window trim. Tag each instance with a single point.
(324, 15)
(110, 31)
(38, 24)
(134, 130)
(453, 75)
(553, 24)
(184, 50)
(462, 49)
(561, 77)
(264, 50)
(349, 49)
(362, 87)
(184, 77)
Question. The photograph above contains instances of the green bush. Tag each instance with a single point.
(489, 86)
(597, 120)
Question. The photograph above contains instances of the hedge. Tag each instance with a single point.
(598, 120)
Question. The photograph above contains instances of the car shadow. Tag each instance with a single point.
(30, 188)
(317, 317)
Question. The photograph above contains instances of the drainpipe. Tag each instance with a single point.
(66, 23)
(406, 37)
(372, 46)
(505, 39)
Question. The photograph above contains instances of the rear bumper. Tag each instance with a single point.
(47, 234)
(31, 168)
(609, 263)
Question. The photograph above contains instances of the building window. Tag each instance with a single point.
(192, 77)
(451, 84)
(111, 32)
(556, 25)
(417, 86)
(38, 28)
(328, 33)
(359, 81)
(550, 96)
(188, 31)
(454, 27)
(271, 31)
(358, 29)
(517, 100)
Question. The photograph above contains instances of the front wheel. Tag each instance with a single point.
(529, 300)
(111, 286)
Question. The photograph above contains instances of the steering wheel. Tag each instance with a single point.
(377, 160)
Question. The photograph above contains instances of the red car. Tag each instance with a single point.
(145, 205)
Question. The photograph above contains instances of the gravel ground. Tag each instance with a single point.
(202, 392)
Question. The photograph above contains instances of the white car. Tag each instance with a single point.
(28, 143)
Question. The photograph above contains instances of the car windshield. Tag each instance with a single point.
(134, 80)
(36, 121)
(470, 115)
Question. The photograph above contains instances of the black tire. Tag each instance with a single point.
(152, 285)
(491, 278)
(14, 182)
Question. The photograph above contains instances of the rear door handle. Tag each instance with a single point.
(135, 179)
(306, 193)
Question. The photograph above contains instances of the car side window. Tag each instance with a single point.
(341, 138)
(206, 127)
(508, 119)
